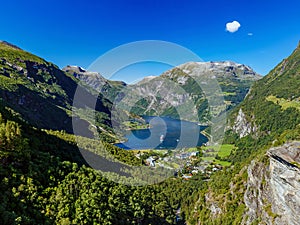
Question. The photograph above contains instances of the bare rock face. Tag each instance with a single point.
(257, 196)
(273, 191)
(243, 127)
(285, 182)
(213, 205)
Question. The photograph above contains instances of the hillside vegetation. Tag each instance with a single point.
(44, 178)
(272, 108)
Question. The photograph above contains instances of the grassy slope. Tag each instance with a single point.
(283, 83)
(284, 103)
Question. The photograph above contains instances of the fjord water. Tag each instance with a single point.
(165, 133)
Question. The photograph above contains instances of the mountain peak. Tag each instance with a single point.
(217, 68)
(89, 77)
(215, 64)
(79, 71)
(10, 45)
(72, 68)
(146, 79)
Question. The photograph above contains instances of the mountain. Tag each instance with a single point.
(42, 94)
(96, 81)
(182, 89)
(177, 90)
(263, 185)
(272, 106)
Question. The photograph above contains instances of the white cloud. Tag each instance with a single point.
(250, 34)
(233, 26)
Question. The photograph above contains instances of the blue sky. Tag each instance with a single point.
(78, 32)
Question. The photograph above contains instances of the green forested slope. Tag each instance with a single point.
(43, 177)
(45, 180)
(272, 107)
(41, 93)
(282, 82)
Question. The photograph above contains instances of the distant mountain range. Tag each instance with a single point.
(176, 89)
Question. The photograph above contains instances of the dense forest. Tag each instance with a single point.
(40, 186)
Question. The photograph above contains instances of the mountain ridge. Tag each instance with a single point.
(41, 92)
(10, 45)
(235, 80)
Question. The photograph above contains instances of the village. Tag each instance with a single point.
(188, 162)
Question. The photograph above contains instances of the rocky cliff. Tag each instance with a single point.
(273, 188)
(242, 126)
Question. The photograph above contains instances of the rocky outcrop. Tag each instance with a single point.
(257, 196)
(242, 126)
(213, 206)
(273, 190)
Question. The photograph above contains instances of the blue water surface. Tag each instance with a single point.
(165, 133)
